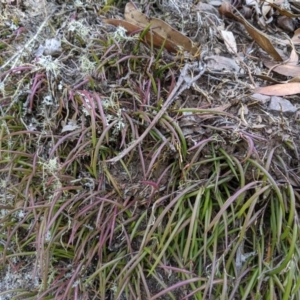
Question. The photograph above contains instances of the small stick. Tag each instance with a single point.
(184, 82)
(17, 55)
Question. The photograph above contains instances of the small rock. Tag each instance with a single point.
(261, 98)
(52, 47)
(277, 104)
(221, 63)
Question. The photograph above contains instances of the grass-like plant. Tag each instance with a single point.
(195, 211)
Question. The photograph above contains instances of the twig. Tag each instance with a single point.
(184, 82)
(16, 56)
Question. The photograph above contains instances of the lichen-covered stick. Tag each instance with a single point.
(184, 82)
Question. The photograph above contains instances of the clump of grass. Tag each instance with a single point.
(181, 216)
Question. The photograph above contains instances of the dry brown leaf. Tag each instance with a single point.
(291, 68)
(286, 70)
(266, 8)
(128, 26)
(149, 38)
(260, 38)
(286, 89)
(284, 12)
(161, 28)
(296, 37)
(293, 58)
(295, 79)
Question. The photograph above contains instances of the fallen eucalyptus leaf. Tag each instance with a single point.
(287, 70)
(296, 37)
(260, 38)
(266, 7)
(286, 89)
(149, 37)
(160, 28)
(290, 68)
(284, 12)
